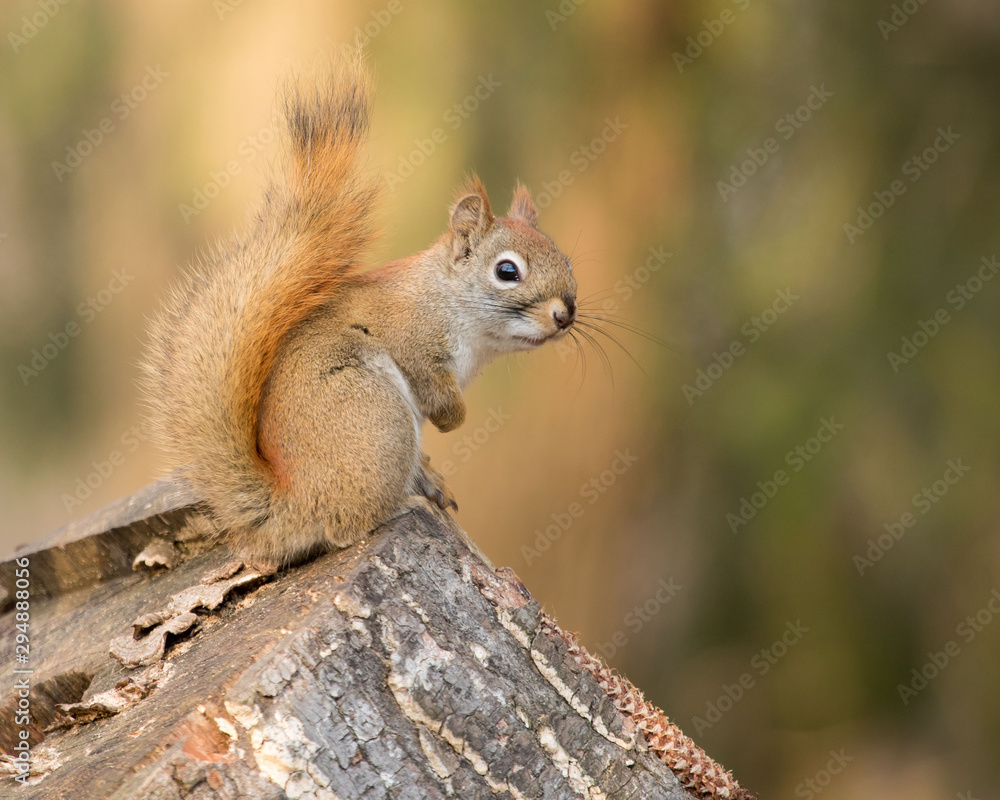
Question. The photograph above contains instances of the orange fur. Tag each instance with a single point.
(203, 386)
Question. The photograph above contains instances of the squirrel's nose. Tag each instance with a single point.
(564, 316)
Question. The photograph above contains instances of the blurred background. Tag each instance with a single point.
(778, 519)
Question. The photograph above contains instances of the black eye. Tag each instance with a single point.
(507, 271)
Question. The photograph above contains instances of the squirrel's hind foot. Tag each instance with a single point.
(431, 484)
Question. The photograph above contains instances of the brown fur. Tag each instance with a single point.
(290, 389)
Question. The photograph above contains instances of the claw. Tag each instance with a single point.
(432, 485)
(443, 501)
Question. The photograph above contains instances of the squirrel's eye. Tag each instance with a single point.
(507, 271)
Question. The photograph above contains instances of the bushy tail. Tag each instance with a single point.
(214, 344)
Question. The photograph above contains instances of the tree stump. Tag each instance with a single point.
(403, 667)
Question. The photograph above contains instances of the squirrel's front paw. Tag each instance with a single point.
(431, 484)
(448, 417)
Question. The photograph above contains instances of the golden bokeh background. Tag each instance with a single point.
(623, 118)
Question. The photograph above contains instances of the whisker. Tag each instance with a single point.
(582, 259)
(627, 326)
(576, 352)
(585, 253)
(585, 301)
(578, 235)
(601, 354)
(512, 310)
(582, 358)
(596, 305)
(488, 303)
(613, 339)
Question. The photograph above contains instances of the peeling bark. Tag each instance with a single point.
(403, 667)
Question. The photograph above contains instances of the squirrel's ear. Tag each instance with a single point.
(522, 207)
(471, 218)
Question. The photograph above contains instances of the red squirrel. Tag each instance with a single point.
(289, 387)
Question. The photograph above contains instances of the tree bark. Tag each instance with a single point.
(403, 667)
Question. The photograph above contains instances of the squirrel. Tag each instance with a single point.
(289, 387)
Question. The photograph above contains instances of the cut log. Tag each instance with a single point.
(403, 667)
